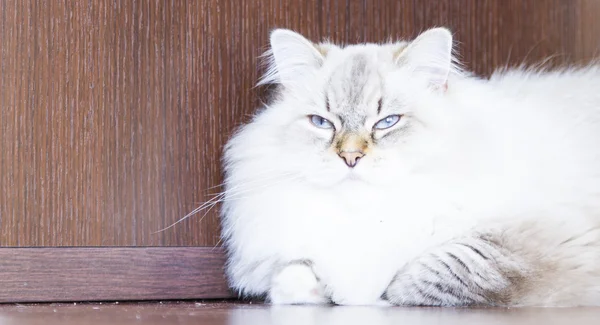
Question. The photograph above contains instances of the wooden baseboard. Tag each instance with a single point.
(111, 273)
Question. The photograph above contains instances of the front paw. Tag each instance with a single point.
(297, 284)
(462, 273)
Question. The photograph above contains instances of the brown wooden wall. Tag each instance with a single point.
(113, 113)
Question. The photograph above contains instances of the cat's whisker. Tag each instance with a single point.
(226, 195)
(263, 172)
(234, 194)
(253, 179)
(196, 210)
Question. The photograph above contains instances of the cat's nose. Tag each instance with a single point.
(351, 157)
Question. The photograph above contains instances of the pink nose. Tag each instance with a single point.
(351, 157)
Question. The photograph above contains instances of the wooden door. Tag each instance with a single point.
(114, 113)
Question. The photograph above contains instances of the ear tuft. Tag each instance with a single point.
(430, 57)
(291, 56)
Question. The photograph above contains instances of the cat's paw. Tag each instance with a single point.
(297, 284)
(455, 274)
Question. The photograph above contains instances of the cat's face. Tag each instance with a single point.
(361, 112)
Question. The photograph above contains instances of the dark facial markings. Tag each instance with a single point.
(359, 75)
(355, 75)
(348, 100)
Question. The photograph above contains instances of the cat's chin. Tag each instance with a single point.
(339, 178)
(354, 177)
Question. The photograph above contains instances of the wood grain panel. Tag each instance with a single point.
(114, 113)
(111, 273)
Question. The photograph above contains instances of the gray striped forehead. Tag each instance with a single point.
(354, 90)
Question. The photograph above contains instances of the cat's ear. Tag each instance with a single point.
(429, 57)
(291, 56)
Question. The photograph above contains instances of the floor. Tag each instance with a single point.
(198, 313)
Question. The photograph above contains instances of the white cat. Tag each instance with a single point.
(383, 174)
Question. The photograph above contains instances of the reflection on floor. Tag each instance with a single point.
(252, 314)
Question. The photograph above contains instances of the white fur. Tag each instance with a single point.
(520, 148)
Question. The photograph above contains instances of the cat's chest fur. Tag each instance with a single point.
(358, 236)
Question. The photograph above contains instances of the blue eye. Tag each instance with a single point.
(320, 122)
(387, 122)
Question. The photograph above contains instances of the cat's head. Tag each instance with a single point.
(364, 112)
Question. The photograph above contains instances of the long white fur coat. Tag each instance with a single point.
(484, 192)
